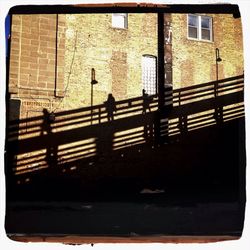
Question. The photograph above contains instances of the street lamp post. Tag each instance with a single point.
(217, 60)
(218, 110)
(93, 82)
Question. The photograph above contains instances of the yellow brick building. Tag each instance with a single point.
(194, 59)
(115, 53)
(52, 57)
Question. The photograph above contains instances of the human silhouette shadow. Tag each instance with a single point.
(104, 140)
(110, 107)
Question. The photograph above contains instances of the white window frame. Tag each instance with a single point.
(118, 25)
(199, 28)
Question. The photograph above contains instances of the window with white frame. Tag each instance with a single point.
(200, 27)
(120, 20)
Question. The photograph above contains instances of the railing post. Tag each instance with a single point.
(218, 111)
(164, 76)
(99, 117)
(215, 89)
(161, 72)
(183, 124)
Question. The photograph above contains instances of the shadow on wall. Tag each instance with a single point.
(195, 141)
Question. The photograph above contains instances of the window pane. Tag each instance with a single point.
(205, 34)
(192, 32)
(149, 74)
(193, 21)
(205, 22)
(119, 20)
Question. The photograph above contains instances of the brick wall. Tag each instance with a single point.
(37, 60)
(194, 61)
(51, 54)
(115, 54)
(119, 71)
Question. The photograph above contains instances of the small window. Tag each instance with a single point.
(149, 74)
(193, 25)
(120, 20)
(200, 27)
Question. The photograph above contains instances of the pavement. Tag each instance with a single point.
(78, 222)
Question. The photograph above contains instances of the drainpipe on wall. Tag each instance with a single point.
(55, 93)
(168, 58)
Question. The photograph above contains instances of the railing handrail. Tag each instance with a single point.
(201, 85)
(131, 105)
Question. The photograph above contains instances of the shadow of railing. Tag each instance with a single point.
(207, 104)
(84, 136)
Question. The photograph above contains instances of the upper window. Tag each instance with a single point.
(200, 27)
(120, 20)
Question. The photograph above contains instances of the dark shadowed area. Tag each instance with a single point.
(171, 162)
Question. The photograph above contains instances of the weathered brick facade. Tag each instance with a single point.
(52, 57)
(115, 54)
(37, 61)
(194, 61)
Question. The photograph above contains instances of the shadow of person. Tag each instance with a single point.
(46, 130)
(110, 107)
(104, 140)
